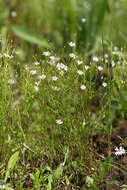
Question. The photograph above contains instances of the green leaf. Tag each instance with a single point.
(29, 36)
(58, 172)
(11, 164)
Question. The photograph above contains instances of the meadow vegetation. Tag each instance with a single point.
(63, 104)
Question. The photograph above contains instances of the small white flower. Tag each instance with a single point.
(61, 66)
(84, 122)
(104, 84)
(37, 83)
(41, 77)
(8, 56)
(52, 57)
(59, 121)
(80, 72)
(33, 72)
(61, 73)
(79, 62)
(2, 186)
(37, 63)
(13, 14)
(55, 88)
(95, 59)
(36, 88)
(113, 63)
(83, 20)
(72, 55)
(54, 78)
(100, 68)
(46, 53)
(119, 151)
(82, 87)
(52, 62)
(87, 67)
(116, 48)
(11, 81)
(72, 44)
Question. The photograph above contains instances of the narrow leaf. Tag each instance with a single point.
(29, 36)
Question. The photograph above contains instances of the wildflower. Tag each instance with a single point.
(72, 44)
(100, 68)
(113, 63)
(104, 84)
(33, 72)
(55, 88)
(84, 123)
(2, 186)
(11, 81)
(37, 63)
(36, 88)
(59, 121)
(80, 72)
(83, 20)
(46, 53)
(54, 78)
(119, 151)
(52, 57)
(82, 87)
(72, 55)
(37, 83)
(61, 66)
(79, 62)
(8, 56)
(41, 77)
(116, 48)
(52, 62)
(87, 67)
(13, 14)
(95, 59)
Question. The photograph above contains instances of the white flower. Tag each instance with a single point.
(2, 186)
(46, 53)
(11, 81)
(33, 72)
(104, 84)
(80, 72)
(116, 48)
(83, 20)
(41, 77)
(113, 63)
(84, 123)
(37, 83)
(36, 88)
(100, 68)
(72, 44)
(52, 62)
(72, 55)
(59, 121)
(54, 78)
(87, 67)
(37, 63)
(119, 151)
(61, 66)
(82, 87)
(55, 88)
(8, 56)
(13, 14)
(79, 62)
(95, 59)
(52, 57)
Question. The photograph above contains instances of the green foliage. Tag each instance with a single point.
(11, 164)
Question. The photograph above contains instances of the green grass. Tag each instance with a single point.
(29, 117)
